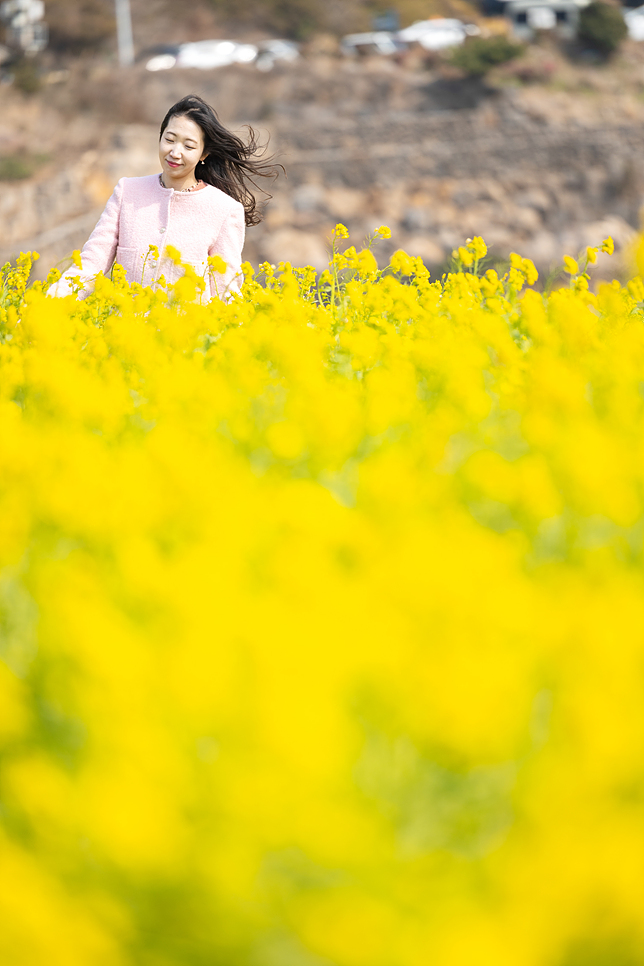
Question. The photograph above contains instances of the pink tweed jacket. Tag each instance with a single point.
(140, 213)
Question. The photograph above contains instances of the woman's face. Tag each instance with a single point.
(180, 149)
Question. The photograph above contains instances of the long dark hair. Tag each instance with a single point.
(231, 163)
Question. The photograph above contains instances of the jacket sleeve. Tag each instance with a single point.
(99, 250)
(229, 245)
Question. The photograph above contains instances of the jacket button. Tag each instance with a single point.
(161, 230)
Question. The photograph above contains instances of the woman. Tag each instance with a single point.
(199, 205)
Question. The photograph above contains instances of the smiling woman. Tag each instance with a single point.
(181, 149)
(199, 206)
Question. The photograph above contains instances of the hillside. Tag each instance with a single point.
(81, 25)
(544, 157)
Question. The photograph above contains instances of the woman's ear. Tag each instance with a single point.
(203, 157)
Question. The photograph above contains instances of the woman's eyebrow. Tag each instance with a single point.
(173, 135)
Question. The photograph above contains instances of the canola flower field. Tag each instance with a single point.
(321, 617)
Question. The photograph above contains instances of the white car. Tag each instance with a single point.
(376, 42)
(161, 62)
(205, 55)
(271, 51)
(438, 34)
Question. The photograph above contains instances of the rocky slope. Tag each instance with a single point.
(534, 168)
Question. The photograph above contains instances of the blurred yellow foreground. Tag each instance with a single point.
(321, 621)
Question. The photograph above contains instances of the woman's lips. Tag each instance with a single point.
(172, 164)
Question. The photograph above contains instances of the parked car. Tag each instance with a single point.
(376, 42)
(437, 34)
(205, 55)
(272, 51)
(163, 59)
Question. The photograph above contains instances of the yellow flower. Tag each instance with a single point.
(365, 262)
(465, 256)
(490, 283)
(76, 259)
(383, 231)
(529, 270)
(571, 265)
(420, 270)
(477, 247)
(516, 279)
(591, 255)
(341, 231)
(636, 288)
(401, 263)
(53, 276)
(608, 246)
(581, 283)
(119, 275)
(217, 264)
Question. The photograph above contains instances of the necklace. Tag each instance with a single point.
(192, 187)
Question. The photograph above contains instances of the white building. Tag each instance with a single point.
(528, 17)
(25, 27)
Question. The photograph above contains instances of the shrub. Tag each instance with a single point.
(479, 54)
(26, 75)
(16, 167)
(602, 26)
